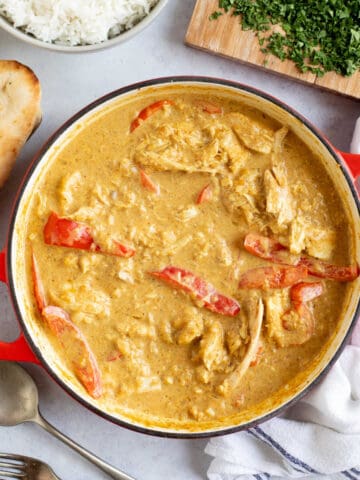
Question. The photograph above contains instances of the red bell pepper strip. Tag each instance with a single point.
(122, 250)
(300, 295)
(273, 277)
(205, 195)
(39, 290)
(298, 324)
(64, 232)
(71, 338)
(147, 112)
(199, 288)
(270, 249)
(209, 107)
(321, 269)
(148, 183)
(114, 356)
(76, 347)
(265, 247)
(304, 292)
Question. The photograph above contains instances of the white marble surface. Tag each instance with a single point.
(70, 82)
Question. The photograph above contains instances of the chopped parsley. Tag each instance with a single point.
(318, 36)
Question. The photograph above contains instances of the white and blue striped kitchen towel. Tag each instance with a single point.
(318, 438)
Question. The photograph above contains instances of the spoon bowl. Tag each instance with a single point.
(18, 395)
(19, 403)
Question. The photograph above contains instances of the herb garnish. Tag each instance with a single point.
(318, 36)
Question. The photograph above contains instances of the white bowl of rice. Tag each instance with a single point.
(77, 25)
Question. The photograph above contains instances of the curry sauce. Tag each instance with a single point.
(190, 257)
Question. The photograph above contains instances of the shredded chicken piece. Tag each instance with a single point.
(191, 326)
(255, 323)
(224, 255)
(212, 351)
(148, 384)
(235, 338)
(278, 199)
(279, 139)
(165, 331)
(189, 146)
(318, 242)
(276, 304)
(85, 296)
(238, 155)
(246, 195)
(297, 235)
(68, 186)
(253, 134)
(287, 325)
(198, 144)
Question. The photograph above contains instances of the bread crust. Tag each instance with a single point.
(20, 111)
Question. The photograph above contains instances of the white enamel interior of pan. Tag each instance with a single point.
(50, 358)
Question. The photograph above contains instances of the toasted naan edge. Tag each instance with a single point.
(20, 111)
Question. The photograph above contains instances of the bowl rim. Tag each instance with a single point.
(6, 25)
(133, 426)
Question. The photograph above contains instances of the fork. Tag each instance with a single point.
(26, 468)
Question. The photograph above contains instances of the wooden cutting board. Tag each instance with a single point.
(225, 37)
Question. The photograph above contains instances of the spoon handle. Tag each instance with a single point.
(105, 467)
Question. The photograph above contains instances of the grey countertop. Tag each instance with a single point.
(70, 82)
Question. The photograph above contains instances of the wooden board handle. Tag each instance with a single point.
(18, 350)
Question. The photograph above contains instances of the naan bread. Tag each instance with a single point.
(20, 111)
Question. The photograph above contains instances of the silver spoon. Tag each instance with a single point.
(19, 403)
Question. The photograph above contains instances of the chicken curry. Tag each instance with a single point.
(187, 257)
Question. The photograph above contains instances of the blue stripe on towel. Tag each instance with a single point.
(355, 470)
(258, 476)
(347, 474)
(287, 455)
(270, 445)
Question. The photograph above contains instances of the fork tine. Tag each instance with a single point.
(13, 466)
(11, 474)
(10, 464)
(13, 457)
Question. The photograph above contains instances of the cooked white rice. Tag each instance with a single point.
(75, 22)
